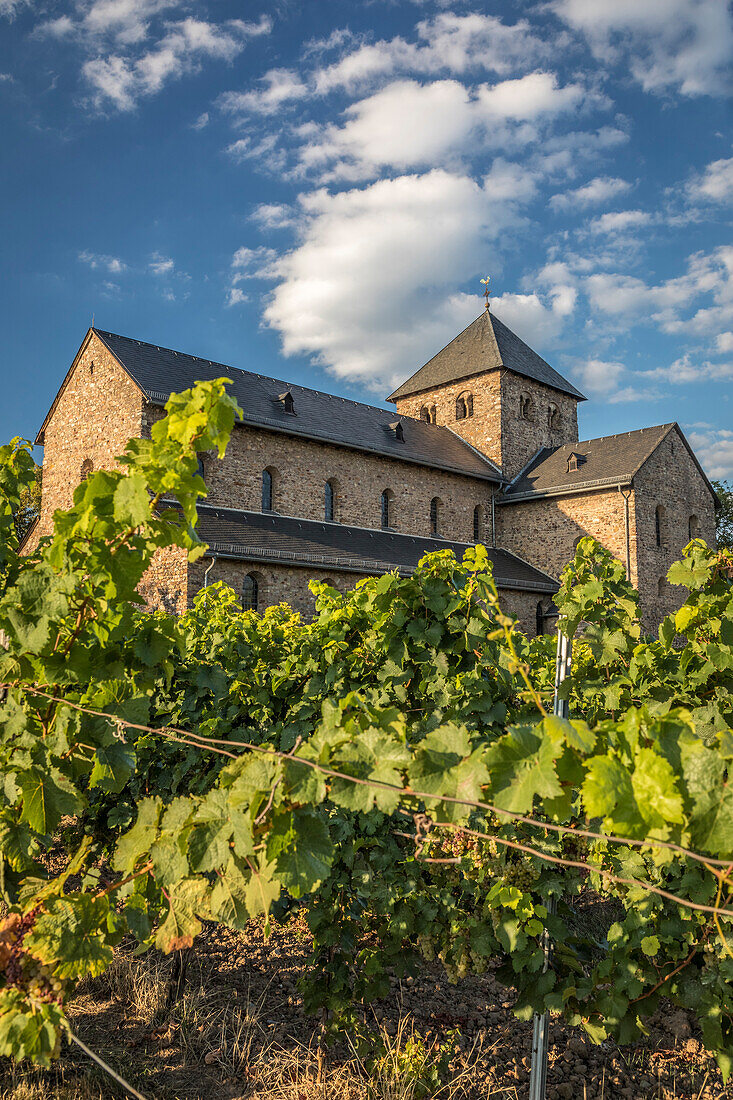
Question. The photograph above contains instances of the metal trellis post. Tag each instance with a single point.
(540, 1034)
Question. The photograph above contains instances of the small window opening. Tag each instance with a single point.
(425, 414)
(575, 461)
(693, 527)
(477, 523)
(540, 620)
(659, 524)
(250, 593)
(387, 507)
(329, 502)
(398, 430)
(268, 490)
(87, 468)
(661, 586)
(553, 417)
(435, 509)
(433, 415)
(525, 407)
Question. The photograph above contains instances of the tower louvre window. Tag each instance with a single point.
(464, 406)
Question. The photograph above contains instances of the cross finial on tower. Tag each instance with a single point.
(485, 283)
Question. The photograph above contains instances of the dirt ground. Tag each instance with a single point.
(239, 1031)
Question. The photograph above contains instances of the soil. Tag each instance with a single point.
(181, 1055)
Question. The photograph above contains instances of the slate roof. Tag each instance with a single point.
(485, 345)
(610, 460)
(266, 536)
(318, 416)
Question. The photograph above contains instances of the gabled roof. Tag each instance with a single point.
(610, 460)
(267, 537)
(159, 372)
(487, 344)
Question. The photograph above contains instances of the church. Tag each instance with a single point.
(482, 447)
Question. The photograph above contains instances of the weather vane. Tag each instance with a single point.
(485, 283)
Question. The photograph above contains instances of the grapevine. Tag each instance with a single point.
(390, 769)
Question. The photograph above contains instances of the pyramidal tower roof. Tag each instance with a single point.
(487, 344)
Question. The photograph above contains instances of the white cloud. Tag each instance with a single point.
(620, 221)
(594, 193)
(236, 296)
(667, 44)
(278, 87)
(538, 323)
(714, 184)
(600, 377)
(714, 448)
(449, 42)
(273, 215)
(161, 265)
(686, 369)
(95, 260)
(122, 79)
(724, 342)
(369, 290)
(408, 124)
(10, 8)
(201, 122)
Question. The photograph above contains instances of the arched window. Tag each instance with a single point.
(268, 489)
(387, 507)
(425, 414)
(539, 620)
(553, 418)
(87, 467)
(460, 408)
(525, 406)
(693, 527)
(659, 524)
(432, 415)
(329, 509)
(435, 510)
(477, 523)
(250, 593)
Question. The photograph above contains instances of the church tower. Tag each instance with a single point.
(493, 390)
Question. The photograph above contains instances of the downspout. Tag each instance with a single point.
(206, 576)
(627, 497)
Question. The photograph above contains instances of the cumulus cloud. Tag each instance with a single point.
(120, 80)
(714, 448)
(369, 290)
(620, 221)
(112, 264)
(538, 322)
(714, 184)
(596, 192)
(408, 124)
(689, 369)
(276, 88)
(667, 44)
(10, 8)
(161, 265)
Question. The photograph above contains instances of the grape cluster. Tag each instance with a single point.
(21, 970)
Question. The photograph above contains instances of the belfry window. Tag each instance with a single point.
(525, 406)
(387, 507)
(250, 593)
(464, 406)
(553, 418)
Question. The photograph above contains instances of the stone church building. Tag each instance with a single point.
(482, 447)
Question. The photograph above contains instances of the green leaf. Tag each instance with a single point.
(650, 945)
(301, 849)
(70, 936)
(522, 767)
(47, 796)
(445, 764)
(136, 842)
(187, 901)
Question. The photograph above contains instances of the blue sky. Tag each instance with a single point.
(314, 190)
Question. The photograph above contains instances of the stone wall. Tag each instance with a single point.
(165, 584)
(483, 429)
(289, 584)
(545, 532)
(497, 428)
(521, 438)
(670, 479)
(302, 467)
(98, 410)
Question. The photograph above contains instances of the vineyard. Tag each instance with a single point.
(389, 777)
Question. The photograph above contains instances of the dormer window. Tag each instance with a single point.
(576, 461)
(287, 402)
(399, 432)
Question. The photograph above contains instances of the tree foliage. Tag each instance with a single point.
(226, 765)
(724, 516)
